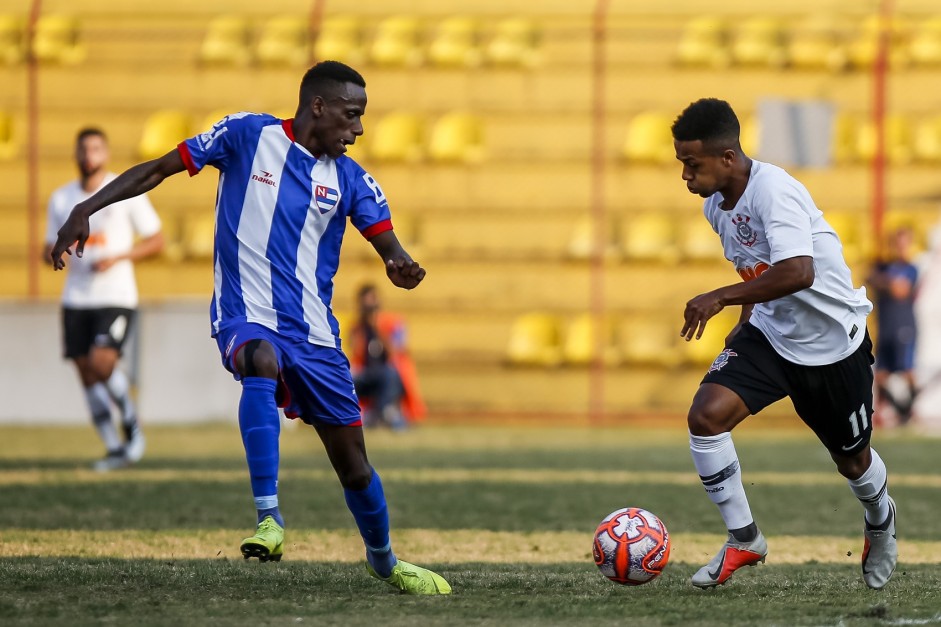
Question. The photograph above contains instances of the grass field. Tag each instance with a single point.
(506, 514)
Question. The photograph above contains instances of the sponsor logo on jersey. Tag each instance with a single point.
(265, 178)
(745, 235)
(325, 198)
(721, 360)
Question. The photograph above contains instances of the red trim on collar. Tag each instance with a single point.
(288, 126)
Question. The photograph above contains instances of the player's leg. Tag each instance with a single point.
(366, 499)
(836, 402)
(257, 364)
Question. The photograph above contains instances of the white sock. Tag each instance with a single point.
(872, 490)
(100, 405)
(717, 464)
(119, 387)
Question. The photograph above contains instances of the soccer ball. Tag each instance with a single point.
(631, 546)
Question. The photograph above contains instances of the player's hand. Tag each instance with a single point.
(404, 272)
(697, 314)
(74, 231)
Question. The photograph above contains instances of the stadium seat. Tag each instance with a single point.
(457, 138)
(283, 41)
(750, 136)
(534, 341)
(57, 40)
(397, 137)
(12, 39)
(704, 350)
(198, 235)
(898, 140)
(861, 51)
(843, 145)
(703, 43)
(455, 43)
(396, 42)
(579, 347)
(340, 39)
(698, 241)
(847, 227)
(514, 43)
(927, 140)
(581, 243)
(9, 147)
(925, 45)
(649, 139)
(815, 45)
(759, 41)
(649, 340)
(649, 237)
(163, 130)
(226, 42)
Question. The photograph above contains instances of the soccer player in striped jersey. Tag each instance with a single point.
(802, 335)
(285, 191)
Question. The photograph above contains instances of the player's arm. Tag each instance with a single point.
(782, 279)
(401, 269)
(143, 248)
(135, 181)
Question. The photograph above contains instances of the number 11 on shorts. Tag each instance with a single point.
(859, 421)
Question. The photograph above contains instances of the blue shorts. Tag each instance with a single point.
(314, 383)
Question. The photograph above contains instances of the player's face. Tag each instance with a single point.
(339, 119)
(705, 173)
(91, 154)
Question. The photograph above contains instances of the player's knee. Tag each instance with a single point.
(355, 478)
(257, 359)
(853, 467)
(706, 417)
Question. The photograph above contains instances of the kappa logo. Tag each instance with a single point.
(266, 178)
(722, 359)
(744, 233)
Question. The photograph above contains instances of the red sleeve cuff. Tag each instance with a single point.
(377, 228)
(187, 159)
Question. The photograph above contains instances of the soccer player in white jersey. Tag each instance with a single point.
(285, 192)
(100, 295)
(802, 334)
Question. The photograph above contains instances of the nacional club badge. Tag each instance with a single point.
(326, 198)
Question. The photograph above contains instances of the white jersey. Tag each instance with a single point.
(112, 231)
(776, 219)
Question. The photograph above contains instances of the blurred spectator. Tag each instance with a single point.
(99, 301)
(383, 372)
(928, 351)
(893, 281)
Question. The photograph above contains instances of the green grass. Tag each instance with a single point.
(515, 506)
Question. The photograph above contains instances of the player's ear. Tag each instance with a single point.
(317, 106)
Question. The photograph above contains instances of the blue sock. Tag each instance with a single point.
(372, 517)
(261, 426)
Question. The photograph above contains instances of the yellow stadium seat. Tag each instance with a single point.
(514, 43)
(927, 140)
(704, 350)
(845, 129)
(8, 145)
(581, 243)
(579, 347)
(12, 39)
(704, 43)
(898, 140)
(455, 43)
(847, 226)
(457, 137)
(534, 341)
(815, 45)
(57, 40)
(649, 237)
(396, 42)
(750, 135)
(397, 137)
(340, 39)
(698, 241)
(925, 45)
(226, 42)
(649, 339)
(163, 130)
(198, 235)
(283, 41)
(760, 42)
(649, 139)
(861, 51)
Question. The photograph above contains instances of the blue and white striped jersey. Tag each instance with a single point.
(280, 217)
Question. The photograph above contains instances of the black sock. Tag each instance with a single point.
(745, 534)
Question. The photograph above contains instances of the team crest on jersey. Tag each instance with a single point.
(721, 360)
(326, 198)
(745, 235)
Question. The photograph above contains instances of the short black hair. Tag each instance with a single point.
(323, 79)
(711, 121)
(90, 131)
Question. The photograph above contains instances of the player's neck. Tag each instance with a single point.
(304, 135)
(93, 181)
(737, 184)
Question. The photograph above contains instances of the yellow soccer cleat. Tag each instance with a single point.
(412, 579)
(268, 542)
